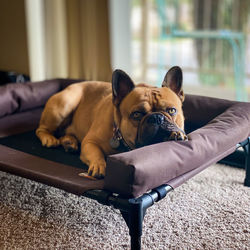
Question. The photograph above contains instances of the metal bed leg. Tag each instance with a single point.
(136, 211)
(247, 163)
(240, 159)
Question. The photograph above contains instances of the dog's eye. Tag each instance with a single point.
(137, 115)
(171, 111)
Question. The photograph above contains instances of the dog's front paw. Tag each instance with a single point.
(178, 136)
(97, 169)
(49, 140)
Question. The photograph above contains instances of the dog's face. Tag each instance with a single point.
(145, 114)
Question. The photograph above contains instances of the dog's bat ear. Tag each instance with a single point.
(173, 80)
(121, 86)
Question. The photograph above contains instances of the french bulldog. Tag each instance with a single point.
(106, 118)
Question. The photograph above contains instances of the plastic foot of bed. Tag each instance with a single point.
(247, 163)
(135, 243)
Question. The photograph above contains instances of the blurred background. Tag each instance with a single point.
(209, 39)
(87, 39)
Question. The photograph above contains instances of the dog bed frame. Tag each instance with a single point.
(135, 180)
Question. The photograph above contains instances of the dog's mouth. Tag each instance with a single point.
(156, 128)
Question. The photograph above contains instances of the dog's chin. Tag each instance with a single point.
(148, 139)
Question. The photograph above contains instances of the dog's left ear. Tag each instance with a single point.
(121, 86)
(173, 80)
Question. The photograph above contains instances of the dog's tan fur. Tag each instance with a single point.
(94, 109)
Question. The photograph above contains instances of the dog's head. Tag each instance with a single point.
(144, 114)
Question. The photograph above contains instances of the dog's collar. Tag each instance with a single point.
(117, 141)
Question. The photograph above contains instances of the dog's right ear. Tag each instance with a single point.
(121, 86)
(173, 80)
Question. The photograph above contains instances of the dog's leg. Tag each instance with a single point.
(56, 110)
(93, 156)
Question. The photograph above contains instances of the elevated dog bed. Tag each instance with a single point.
(136, 179)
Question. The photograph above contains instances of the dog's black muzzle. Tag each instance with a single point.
(155, 128)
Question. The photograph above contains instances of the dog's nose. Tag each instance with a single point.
(156, 119)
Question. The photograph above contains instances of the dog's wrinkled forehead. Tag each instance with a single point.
(163, 97)
(151, 99)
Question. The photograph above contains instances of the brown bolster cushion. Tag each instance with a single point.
(18, 97)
